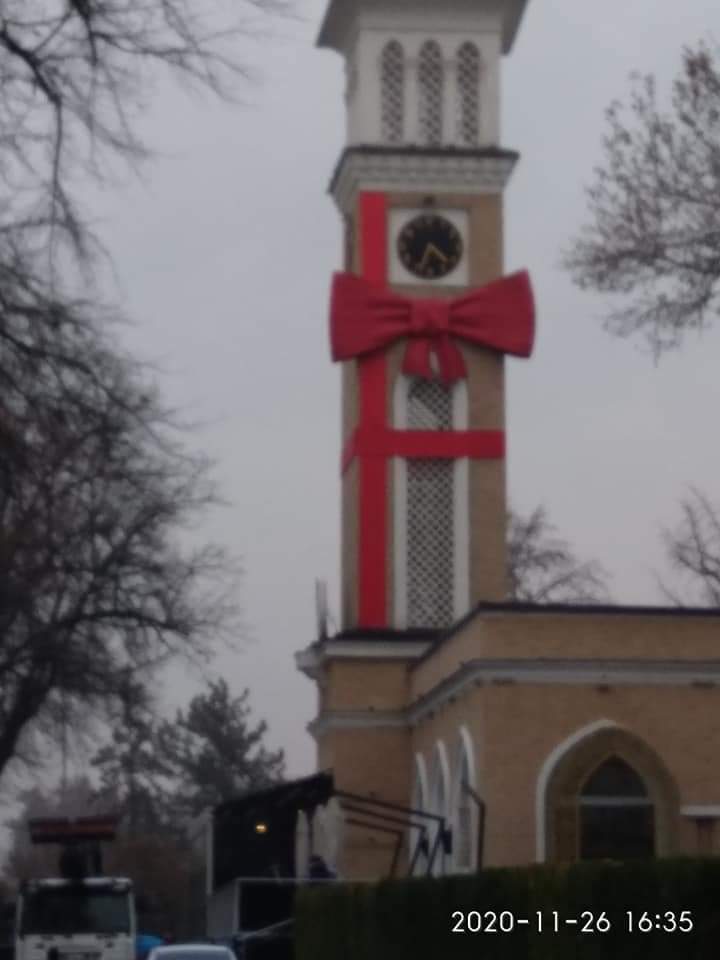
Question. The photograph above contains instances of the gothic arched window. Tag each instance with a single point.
(617, 818)
(463, 815)
(430, 90)
(392, 92)
(468, 94)
(430, 513)
(420, 835)
(438, 806)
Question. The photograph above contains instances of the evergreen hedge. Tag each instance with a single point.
(412, 919)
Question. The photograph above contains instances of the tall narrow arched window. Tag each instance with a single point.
(463, 813)
(392, 92)
(617, 819)
(420, 834)
(430, 90)
(468, 95)
(439, 806)
(430, 509)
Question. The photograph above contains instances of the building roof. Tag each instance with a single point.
(299, 794)
(515, 608)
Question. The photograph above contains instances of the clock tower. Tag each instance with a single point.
(420, 186)
(421, 319)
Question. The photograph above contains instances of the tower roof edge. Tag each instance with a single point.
(339, 15)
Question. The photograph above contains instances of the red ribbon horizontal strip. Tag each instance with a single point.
(432, 444)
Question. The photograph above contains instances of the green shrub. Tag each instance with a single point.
(412, 919)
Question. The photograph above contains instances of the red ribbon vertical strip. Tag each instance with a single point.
(372, 375)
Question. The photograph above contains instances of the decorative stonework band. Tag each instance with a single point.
(419, 170)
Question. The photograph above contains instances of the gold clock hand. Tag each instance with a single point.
(423, 260)
(431, 248)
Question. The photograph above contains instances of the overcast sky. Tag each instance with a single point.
(224, 252)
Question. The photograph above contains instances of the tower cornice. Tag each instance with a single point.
(408, 169)
(341, 15)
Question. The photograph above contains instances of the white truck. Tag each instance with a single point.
(80, 915)
(88, 919)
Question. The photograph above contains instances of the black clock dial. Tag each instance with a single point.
(429, 246)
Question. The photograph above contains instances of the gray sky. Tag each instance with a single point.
(224, 252)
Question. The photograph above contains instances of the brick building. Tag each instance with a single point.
(528, 733)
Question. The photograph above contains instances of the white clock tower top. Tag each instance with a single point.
(422, 73)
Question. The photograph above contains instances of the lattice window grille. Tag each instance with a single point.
(468, 96)
(392, 86)
(429, 405)
(430, 543)
(430, 83)
(430, 520)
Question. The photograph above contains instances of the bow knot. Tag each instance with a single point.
(429, 318)
(499, 316)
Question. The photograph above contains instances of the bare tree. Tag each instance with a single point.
(542, 567)
(693, 549)
(98, 582)
(96, 489)
(653, 236)
(73, 76)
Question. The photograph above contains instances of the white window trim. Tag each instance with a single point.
(461, 508)
(466, 750)
(546, 771)
(710, 811)
(440, 775)
(421, 781)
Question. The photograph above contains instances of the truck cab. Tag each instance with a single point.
(92, 918)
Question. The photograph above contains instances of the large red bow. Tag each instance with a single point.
(363, 318)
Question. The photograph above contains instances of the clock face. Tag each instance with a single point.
(429, 246)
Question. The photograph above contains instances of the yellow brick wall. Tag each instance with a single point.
(367, 684)
(569, 636)
(515, 726)
(373, 762)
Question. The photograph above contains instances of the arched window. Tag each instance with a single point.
(438, 806)
(421, 835)
(468, 94)
(463, 830)
(603, 792)
(430, 89)
(430, 509)
(617, 819)
(392, 92)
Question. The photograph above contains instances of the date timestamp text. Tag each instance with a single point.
(587, 922)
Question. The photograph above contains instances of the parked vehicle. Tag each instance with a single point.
(191, 951)
(88, 919)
